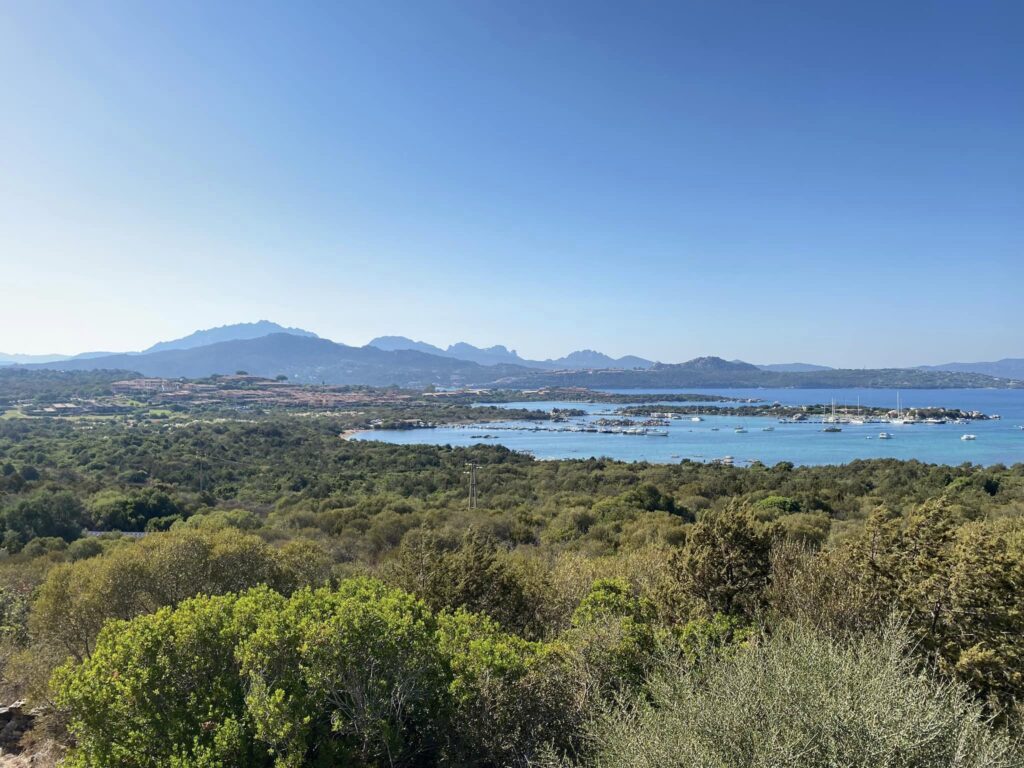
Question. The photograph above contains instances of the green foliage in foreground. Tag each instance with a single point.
(801, 699)
(495, 636)
(359, 675)
(367, 675)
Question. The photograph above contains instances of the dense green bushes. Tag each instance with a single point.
(584, 599)
(358, 675)
(802, 699)
(166, 688)
(366, 675)
(958, 586)
(77, 598)
(44, 513)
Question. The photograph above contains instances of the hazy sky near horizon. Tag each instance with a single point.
(832, 182)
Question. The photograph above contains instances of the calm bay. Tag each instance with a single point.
(765, 439)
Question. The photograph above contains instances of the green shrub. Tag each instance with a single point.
(165, 689)
(801, 699)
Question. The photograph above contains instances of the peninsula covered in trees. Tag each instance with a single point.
(716, 372)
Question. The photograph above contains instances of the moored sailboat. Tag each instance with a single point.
(901, 417)
(857, 419)
(832, 422)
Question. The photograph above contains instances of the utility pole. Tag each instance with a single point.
(472, 485)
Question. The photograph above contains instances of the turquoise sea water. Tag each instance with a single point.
(997, 442)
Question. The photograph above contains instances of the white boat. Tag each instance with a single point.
(657, 432)
(901, 417)
(740, 430)
(767, 429)
(697, 417)
(968, 437)
(832, 421)
(857, 419)
(884, 436)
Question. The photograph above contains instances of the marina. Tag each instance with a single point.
(725, 439)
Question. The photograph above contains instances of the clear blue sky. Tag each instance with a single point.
(835, 182)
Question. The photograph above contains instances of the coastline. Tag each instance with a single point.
(348, 434)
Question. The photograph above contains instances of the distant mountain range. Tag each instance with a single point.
(301, 358)
(268, 349)
(579, 360)
(197, 339)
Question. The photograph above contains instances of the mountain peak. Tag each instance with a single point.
(234, 332)
(398, 343)
(711, 363)
(497, 349)
(587, 358)
(793, 367)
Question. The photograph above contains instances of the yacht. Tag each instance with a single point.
(657, 432)
(900, 416)
(858, 419)
(740, 430)
(832, 421)
(968, 437)
(884, 436)
(697, 417)
(767, 429)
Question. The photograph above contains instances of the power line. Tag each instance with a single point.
(472, 484)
